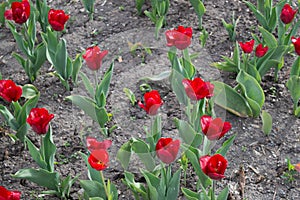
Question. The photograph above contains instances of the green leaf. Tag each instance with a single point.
(199, 9)
(190, 195)
(3, 5)
(229, 99)
(77, 64)
(49, 150)
(60, 62)
(102, 116)
(177, 87)
(86, 104)
(93, 188)
(163, 75)
(136, 188)
(29, 91)
(93, 174)
(142, 150)
(258, 15)
(158, 25)
(87, 84)
(26, 108)
(295, 70)
(293, 86)
(173, 186)
(104, 85)
(35, 154)
(124, 154)
(22, 131)
(9, 118)
(252, 92)
(267, 122)
(225, 146)
(188, 134)
(193, 155)
(223, 194)
(268, 37)
(138, 5)
(41, 177)
(130, 95)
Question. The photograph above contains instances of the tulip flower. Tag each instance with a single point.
(214, 129)
(180, 37)
(93, 57)
(39, 119)
(296, 43)
(287, 14)
(198, 89)
(19, 12)
(260, 51)
(213, 166)
(247, 47)
(6, 194)
(93, 144)
(99, 159)
(167, 149)
(9, 91)
(57, 19)
(152, 102)
(297, 167)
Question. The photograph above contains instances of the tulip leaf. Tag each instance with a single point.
(77, 64)
(153, 183)
(84, 103)
(178, 88)
(142, 150)
(136, 188)
(92, 189)
(41, 177)
(163, 75)
(60, 62)
(173, 186)
(35, 154)
(138, 5)
(258, 15)
(229, 99)
(199, 9)
(293, 86)
(267, 122)
(225, 146)
(22, 131)
(9, 117)
(270, 59)
(102, 116)
(188, 134)
(295, 70)
(124, 154)
(193, 155)
(26, 108)
(190, 195)
(93, 174)
(130, 95)
(268, 37)
(252, 92)
(223, 194)
(87, 84)
(105, 83)
(48, 149)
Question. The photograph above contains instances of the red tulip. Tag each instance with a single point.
(260, 51)
(213, 166)
(296, 43)
(10, 91)
(180, 37)
(214, 129)
(39, 119)
(19, 12)
(93, 144)
(198, 89)
(93, 57)
(152, 102)
(57, 19)
(167, 149)
(247, 47)
(297, 167)
(99, 159)
(287, 14)
(9, 195)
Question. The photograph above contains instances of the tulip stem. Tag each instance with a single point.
(104, 185)
(96, 78)
(213, 190)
